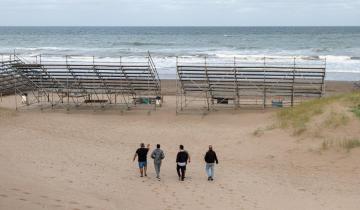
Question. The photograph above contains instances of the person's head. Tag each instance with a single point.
(142, 145)
(181, 147)
(158, 146)
(210, 147)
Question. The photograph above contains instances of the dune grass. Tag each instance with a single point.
(350, 144)
(347, 144)
(334, 120)
(356, 110)
(260, 131)
(299, 116)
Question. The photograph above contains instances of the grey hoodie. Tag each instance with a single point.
(157, 155)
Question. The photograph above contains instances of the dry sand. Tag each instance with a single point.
(83, 160)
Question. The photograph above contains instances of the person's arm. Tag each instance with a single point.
(148, 146)
(153, 155)
(162, 155)
(135, 156)
(189, 158)
(216, 160)
(177, 157)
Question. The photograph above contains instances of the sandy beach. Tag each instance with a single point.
(83, 160)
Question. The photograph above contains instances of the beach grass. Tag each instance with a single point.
(350, 144)
(356, 110)
(260, 131)
(335, 120)
(298, 117)
(347, 144)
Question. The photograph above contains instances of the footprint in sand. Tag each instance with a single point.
(15, 189)
(73, 202)
(44, 196)
(22, 199)
(3, 196)
(89, 207)
(26, 193)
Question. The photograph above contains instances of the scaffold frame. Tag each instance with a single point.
(211, 83)
(78, 81)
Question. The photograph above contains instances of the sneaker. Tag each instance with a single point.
(209, 178)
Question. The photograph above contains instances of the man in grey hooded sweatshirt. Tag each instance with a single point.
(157, 155)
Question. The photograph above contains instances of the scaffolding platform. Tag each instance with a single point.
(213, 83)
(80, 81)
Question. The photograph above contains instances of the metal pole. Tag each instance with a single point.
(67, 84)
(236, 88)
(16, 108)
(323, 80)
(293, 84)
(264, 84)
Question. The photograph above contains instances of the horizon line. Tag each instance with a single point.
(178, 26)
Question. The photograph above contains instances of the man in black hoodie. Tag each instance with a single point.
(181, 160)
(210, 159)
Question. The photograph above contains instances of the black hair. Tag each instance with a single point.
(158, 146)
(181, 146)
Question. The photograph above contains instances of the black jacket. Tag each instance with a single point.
(210, 157)
(182, 157)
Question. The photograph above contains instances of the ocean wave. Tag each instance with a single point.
(230, 35)
(322, 50)
(147, 44)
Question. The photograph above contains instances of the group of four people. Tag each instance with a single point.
(182, 158)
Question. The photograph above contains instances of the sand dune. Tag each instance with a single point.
(82, 160)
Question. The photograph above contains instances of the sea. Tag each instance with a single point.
(339, 46)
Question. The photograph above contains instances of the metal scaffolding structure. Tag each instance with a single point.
(212, 83)
(81, 81)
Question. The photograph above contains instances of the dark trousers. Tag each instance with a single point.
(181, 171)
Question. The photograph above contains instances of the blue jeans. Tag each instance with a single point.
(210, 169)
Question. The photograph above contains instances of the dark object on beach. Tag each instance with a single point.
(95, 101)
(222, 100)
(277, 104)
(357, 85)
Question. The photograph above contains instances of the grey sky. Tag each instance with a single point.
(180, 12)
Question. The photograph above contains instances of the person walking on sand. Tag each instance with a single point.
(141, 153)
(210, 159)
(158, 156)
(181, 160)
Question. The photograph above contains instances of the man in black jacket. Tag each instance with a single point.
(210, 159)
(181, 160)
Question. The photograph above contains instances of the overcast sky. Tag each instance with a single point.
(179, 12)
